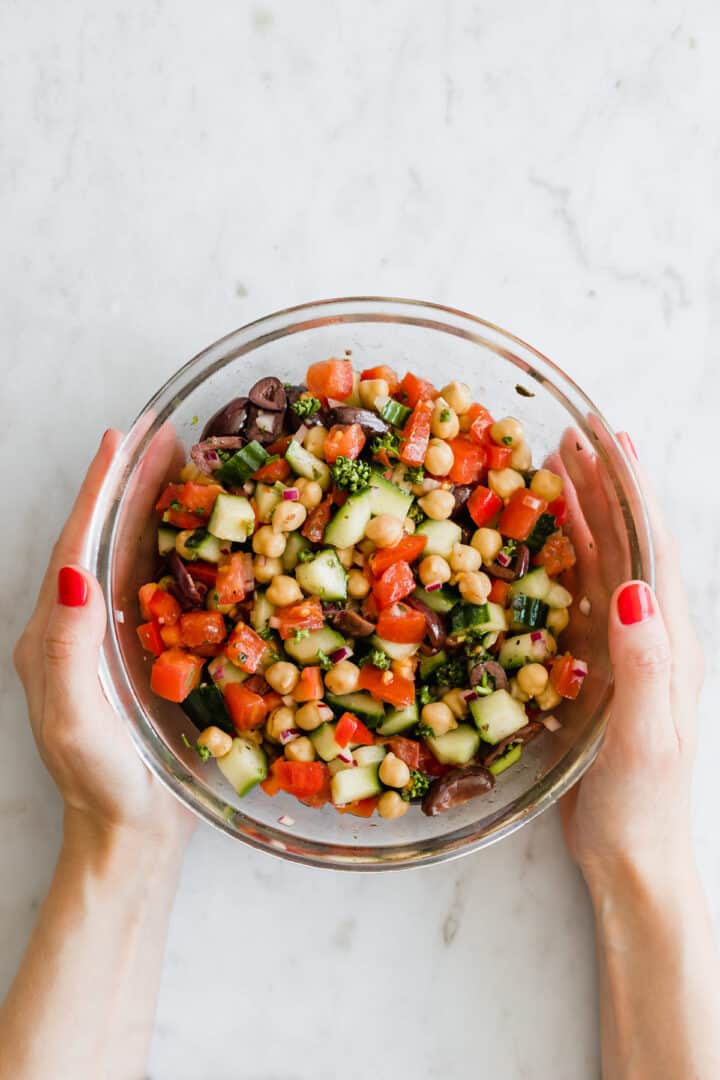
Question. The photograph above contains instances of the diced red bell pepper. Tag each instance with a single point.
(345, 729)
(480, 423)
(151, 637)
(499, 592)
(382, 371)
(498, 457)
(205, 572)
(521, 513)
(408, 750)
(279, 446)
(407, 549)
(401, 624)
(364, 808)
(557, 555)
(202, 628)
(558, 509)
(468, 460)
(230, 583)
(188, 505)
(273, 471)
(343, 440)
(387, 686)
(416, 433)
(566, 676)
(412, 390)
(271, 784)
(145, 592)
(164, 607)
(300, 778)
(307, 614)
(175, 674)
(429, 763)
(362, 736)
(330, 378)
(309, 686)
(483, 505)
(317, 520)
(245, 648)
(247, 709)
(394, 584)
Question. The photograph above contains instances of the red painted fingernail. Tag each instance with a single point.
(72, 587)
(635, 603)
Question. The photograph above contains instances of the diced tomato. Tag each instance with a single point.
(273, 471)
(175, 674)
(401, 624)
(171, 636)
(151, 637)
(407, 549)
(498, 457)
(320, 797)
(203, 571)
(480, 423)
(362, 735)
(468, 460)
(412, 390)
(245, 648)
(416, 433)
(271, 784)
(202, 628)
(483, 505)
(557, 555)
(230, 581)
(566, 676)
(364, 808)
(330, 378)
(521, 513)
(247, 709)
(344, 440)
(307, 614)
(499, 592)
(280, 445)
(144, 594)
(345, 729)
(164, 607)
(382, 371)
(558, 509)
(302, 779)
(314, 527)
(387, 686)
(188, 505)
(309, 686)
(394, 584)
(408, 750)
(429, 763)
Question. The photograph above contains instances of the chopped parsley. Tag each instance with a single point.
(202, 751)
(424, 731)
(324, 660)
(417, 785)
(377, 658)
(195, 420)
(389, 442)
(415, 474)
(306, 555)
(299, 634)
(415, 514)
(306, 407)
(453, 673)
(353, 475)
(265, 633)
(176, 505)
(445, 415)
(508, 440)
(425, 695)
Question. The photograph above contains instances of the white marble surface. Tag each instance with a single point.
(170, 171)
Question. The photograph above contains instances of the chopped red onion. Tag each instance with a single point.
(325, 711)
(584, 606)
(291, 494)
(503, 558)
(249, 487)
(288, 735)
(301, 433)
(341, 654)
(285, 819)
(551, 723)
(346, 757)
(433, 586)
(248, 572)
(536, 635)
(580, 668)
(274, 622)
(469, 695)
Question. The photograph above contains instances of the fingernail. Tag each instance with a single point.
(631, 444)
(635, 603)
(72, 587)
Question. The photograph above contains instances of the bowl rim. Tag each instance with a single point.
(99, 550)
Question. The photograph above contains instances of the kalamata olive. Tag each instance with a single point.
(434, 626)
(455, 787)
(493, 671)
(517, 568)
(227, 421)
(524, 736)
(461, 493)
(188, 593)
(257, 684)
(205, 454)
(370, 422)
(263, 426)
(269, 394)
(351, 623)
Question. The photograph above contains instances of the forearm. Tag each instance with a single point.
(659, 973)
(83, 1001)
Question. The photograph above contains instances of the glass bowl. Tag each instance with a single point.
(607, 522)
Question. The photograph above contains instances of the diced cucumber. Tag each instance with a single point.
(360, 704)
(354, 399)
(201, 545)
(394, 649)
(244, 765)
(232, 518)
(497, 716)
(468, 619)
(558, 596)
(389, 498)
(398, 720)
(266, 499)
(369, 755)
(261, 612)
(323, 739)
(498, 619)
(323, 576)
(223, 672)
(349, 785)
(441, 600)
(456, 747)
(511, 755)
(296, 543)
(205, 706)
(166, 539)
(527, 613)
(394, 413)
(441, 536)
(302, 462)
(240, 467)
(347, 527)
(430, 664)
(336, 765)
(545, 526)
(305, 650)
(536, 583)
(535, 647)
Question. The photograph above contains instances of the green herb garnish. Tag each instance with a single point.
(377, 658)
(353, 475)
(306, 407)
(415, 474)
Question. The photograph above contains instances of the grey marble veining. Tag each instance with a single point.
(171, 171)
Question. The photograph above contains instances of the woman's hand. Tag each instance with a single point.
(82, 740)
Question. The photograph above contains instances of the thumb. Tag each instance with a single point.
(73, 635)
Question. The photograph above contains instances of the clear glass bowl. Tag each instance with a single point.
(607, 522)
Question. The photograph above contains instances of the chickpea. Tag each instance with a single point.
(507, 432)
(343, 678)
(288, 516)
(548, 698)
(393, 771)
(391, 805)
(181, 544)
(505, 481)
(308, 717)
(365, 547)
(310, 492)
(345, 555)
(409, 526)
(557, 620)
(267, 542)
(358, 585)
(458, 396)
(444, 423)
(434, 568)
(439, 458)
(532, 679)
(488, 542)
(314, 441)
(384, 530)
(521, 457)
(456, 703)
(300, 750)
(217, 742)
(546, 485)
(282, 676)
(437, 504)
(283, 591)
(517, 692)
(280, 719)
(474, 587)
(370, 389)
(463, 557)
(266, 567)
(438, 716)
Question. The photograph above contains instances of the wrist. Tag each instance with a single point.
(629, 879)
(120, 852)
